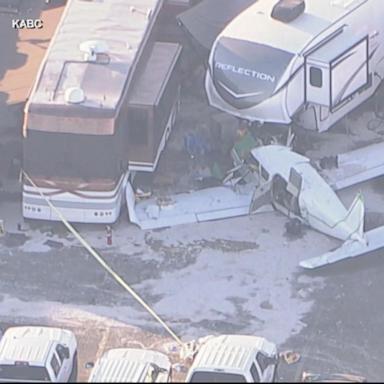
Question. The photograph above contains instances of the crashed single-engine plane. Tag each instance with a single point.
(274, 176)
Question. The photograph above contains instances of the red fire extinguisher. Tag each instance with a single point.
(108, 230)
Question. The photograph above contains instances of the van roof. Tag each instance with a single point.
(127, 365)
(30, 344)
(231, 352)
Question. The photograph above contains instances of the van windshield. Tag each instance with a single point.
(23, 373)
(216, 377)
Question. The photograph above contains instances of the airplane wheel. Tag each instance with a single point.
(294, 227)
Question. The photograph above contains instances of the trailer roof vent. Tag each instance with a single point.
(74, 95)
(94, 50)
(288, 10)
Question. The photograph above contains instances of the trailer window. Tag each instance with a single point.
(316, 77)
(138, 126)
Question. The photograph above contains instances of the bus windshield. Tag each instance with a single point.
(65, 155)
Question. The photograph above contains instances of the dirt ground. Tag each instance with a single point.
(232, 276)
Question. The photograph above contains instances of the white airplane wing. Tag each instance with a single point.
(375, 241)
(202, 205)
(355, 167)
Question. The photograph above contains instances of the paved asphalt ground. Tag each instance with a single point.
(333, 317)
(344, 331)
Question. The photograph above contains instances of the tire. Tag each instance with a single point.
(73, 376)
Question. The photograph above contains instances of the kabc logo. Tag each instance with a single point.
(27, 24)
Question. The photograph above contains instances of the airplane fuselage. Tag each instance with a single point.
(299, 190)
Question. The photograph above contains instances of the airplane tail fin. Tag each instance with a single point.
(358, 244)
(355, 218)
(349, 249)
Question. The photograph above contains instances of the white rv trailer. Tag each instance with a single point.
(311, 65)
(83, 114)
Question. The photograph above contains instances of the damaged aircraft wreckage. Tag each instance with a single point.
(274, 176)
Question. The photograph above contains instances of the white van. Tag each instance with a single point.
(233, 358)
(131, 366)
(36, 354)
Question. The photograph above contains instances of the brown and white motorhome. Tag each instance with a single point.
(89, 116)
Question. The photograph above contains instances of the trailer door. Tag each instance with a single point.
(336, 70)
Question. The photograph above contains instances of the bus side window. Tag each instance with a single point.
(138, 126)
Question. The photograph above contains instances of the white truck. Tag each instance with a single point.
(235, 358)
(36, 354)
(131, 366)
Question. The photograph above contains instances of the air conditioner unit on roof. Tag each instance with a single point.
(74, 95)
(288, 10)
